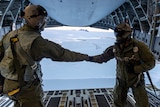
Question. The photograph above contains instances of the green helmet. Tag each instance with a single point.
(122, 32)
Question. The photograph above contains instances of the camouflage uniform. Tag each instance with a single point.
(133, 59)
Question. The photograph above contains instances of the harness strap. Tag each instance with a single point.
(133, 57)
(18, 68)
(30, 61)
(21, 69)
(32, 64)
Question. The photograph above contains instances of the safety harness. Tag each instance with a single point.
(127, 59)
(34, 66)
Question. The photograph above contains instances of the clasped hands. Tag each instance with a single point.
(94, 59)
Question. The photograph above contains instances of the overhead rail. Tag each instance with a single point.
(10, 15)
(5, 12)
(155, 30)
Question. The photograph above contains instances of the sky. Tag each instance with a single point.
(83, 74)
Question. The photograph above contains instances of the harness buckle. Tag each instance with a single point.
(34, 66)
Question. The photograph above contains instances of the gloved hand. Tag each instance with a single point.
(90, 58)
(130, 68)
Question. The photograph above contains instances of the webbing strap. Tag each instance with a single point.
(19, 69)
(30, 61)
(15, 40)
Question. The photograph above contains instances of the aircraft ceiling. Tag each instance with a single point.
(79, 12)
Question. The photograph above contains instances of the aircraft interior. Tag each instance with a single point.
(142, 15)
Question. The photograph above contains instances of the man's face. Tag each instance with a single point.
(120, 35)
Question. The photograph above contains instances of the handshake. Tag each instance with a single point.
(90, 58)
(96, 59)
(104, 57)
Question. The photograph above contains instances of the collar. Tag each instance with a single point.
(27, 27)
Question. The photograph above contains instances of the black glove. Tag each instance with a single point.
(130, 68)
(90, 58)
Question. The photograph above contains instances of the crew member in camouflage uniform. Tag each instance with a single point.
(19, 88)
(133, 58)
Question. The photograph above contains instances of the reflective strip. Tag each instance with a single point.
(14, 92)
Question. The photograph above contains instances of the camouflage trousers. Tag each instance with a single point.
(120, 95)
(28, 97)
